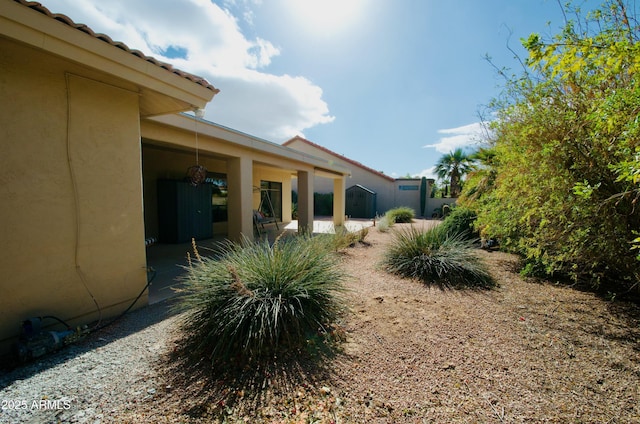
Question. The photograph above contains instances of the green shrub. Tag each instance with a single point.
(256, 299)
(341, 238)
(460, 221)
(534, 270)
(562, 185)
(437, 257)
(400, 215)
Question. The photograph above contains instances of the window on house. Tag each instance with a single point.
(219, 196)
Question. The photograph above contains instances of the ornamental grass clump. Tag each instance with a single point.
(436, 257)
(400, 215)
(384, 223)
(344, 238)
(257, 300)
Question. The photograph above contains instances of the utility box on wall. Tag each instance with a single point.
(360, 202)
(184, 211)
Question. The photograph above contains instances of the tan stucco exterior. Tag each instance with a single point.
(390, 192)
(381, 184)
(169, 148)
(79, 117)
(71, 186)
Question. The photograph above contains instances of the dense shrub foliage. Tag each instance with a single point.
(461, 221)
(400, 215)
(562, 183)
(436, 257)
(257, 299)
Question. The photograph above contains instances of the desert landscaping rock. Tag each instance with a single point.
(524, 352)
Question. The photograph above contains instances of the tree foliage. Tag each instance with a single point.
(564, 178)
(454, 165)
(481, 176)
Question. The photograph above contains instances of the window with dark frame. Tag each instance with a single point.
(218, 196)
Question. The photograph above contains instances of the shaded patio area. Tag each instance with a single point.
(169, 260)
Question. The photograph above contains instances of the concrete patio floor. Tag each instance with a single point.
(169, 260)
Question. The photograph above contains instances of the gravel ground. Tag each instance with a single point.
(525, 352)
(94, 380)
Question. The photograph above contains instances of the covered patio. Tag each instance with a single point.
(168, 260)
(247, 164)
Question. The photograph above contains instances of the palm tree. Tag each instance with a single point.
(482, 174)
(454, 165)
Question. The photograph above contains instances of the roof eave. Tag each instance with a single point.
(32, 24)
(321, 166)
(339, 156)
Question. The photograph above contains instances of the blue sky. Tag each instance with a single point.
(393, 84)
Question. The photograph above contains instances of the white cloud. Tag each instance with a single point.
(278, 107)
(429, 173)
(464, 136)
(251, 100)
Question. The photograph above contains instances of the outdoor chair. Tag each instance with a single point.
(260, 220)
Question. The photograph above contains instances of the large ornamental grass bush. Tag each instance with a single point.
(256, 300)
(436, 257)
(383, 223)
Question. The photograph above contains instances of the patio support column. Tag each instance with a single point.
(305, 201)
(339, 200)
(240, 198)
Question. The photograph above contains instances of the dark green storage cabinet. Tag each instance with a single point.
(184, 211)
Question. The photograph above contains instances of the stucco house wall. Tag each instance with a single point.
(71, 192)
(407, 193)
(381, 184)
(390, 192)
(81, 114)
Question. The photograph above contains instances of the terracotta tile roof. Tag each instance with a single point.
(344, 158)
(103, 37)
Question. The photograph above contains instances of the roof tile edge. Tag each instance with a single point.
(38, 7)
(331, 152)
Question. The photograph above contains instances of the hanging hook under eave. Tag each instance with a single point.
(197, 174)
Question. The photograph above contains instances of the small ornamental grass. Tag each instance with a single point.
(257, 299)
(436, 257)
(344, 238)
(383, 223)
(400, 215)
